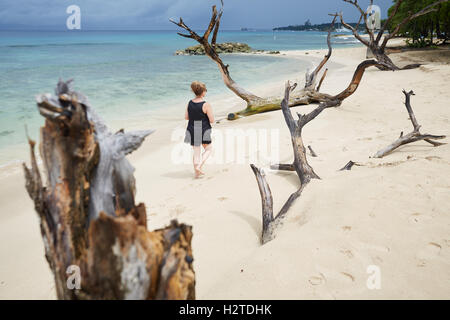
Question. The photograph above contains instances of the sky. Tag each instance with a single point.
(154, 14)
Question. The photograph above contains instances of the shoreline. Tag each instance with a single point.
(396, 218)
(142, 119)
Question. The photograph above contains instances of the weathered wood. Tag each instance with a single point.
(413, 136)
(300, 165)
(210, 51)
(373, 43)
(88, 217)
(348, 166)
(321, 80)
(283, 167)
(255, 104)
(269, 222)
(311, 151)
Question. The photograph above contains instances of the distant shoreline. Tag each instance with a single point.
(323, 27)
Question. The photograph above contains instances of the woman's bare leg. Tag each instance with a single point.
(206, 154)
(197, 159)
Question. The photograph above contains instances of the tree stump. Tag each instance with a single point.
(95, 236)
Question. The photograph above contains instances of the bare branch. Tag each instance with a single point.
(413, 136)
(348, 166)
(290, 201)
(305, 119)
(354, 31)
(412, 117)
(357, 76)
(266, 196)
(311, 79)
(216, 30)
(217, 26)
(192, 33)
(212, 23)
(388, 20)
(269, 222)
(321, 80)
(285, 107)
(313, 154)
(363, 15)
(283, 167)
(211, 52)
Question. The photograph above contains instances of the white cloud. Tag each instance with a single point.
(155, 13)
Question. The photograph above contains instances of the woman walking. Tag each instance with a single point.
(198, 132)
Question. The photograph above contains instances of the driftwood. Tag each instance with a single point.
(413, 136)
(300, 165)
(255, 104)
(337, 100)
(88, 218)
(349, 165)
(374, 43)
(313, 154)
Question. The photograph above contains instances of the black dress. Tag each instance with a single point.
(199, 128)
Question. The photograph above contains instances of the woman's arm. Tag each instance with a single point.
(186, 114)
(208, 110)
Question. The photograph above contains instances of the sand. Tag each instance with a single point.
(388, 217)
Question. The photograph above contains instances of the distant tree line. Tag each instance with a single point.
(308, 26)
(424, 30)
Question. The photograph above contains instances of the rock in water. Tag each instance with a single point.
(227, 47)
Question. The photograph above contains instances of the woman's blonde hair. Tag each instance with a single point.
(198, 87)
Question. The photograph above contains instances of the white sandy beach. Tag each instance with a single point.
(393, 213)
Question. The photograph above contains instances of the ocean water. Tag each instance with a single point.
(125, 74)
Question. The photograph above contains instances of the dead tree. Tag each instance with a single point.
(300, 165)
(375, 43)
(413, 136)
(88, 218)
(337, 100)
(255, 104)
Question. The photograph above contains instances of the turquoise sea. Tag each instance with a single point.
(125, 73)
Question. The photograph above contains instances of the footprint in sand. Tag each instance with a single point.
(431, 158)
(179, 209)
(369, 246)
(346, 229)
(416, 218)
(317, 280)
(429, 251)
(377, 260)
(346, 252)
(422, 263)
(348, 276)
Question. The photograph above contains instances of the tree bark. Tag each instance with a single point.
(88, 218)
